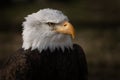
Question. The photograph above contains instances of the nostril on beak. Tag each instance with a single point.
(65, 24)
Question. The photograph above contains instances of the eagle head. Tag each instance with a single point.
(47, 28)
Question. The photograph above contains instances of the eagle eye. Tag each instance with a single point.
(51, 24)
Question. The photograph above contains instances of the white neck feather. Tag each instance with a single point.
(42, 39)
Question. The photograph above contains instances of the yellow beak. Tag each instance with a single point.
(66, 28)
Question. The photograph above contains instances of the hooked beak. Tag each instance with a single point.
(66, 28)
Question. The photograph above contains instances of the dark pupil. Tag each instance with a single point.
(51, 24)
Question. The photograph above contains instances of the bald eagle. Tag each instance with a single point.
(48, 52)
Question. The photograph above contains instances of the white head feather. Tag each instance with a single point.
(38, 35)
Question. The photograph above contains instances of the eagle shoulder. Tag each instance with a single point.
(81, 60)
(15, 67)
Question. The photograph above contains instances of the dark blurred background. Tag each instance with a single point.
(97, 24)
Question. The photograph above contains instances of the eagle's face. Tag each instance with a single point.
(47, 28)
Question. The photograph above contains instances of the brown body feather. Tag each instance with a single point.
(57, 65)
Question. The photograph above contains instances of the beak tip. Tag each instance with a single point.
(73, 36)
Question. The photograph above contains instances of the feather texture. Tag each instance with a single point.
(58, 65)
